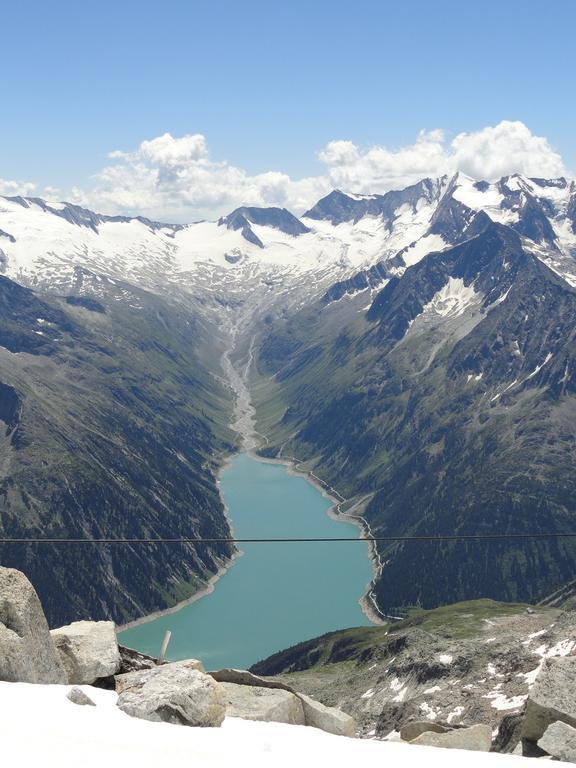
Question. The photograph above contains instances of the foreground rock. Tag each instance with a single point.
(267, 704)
(477, 738)
(27, 652)
(316, 715)
(76, 696)
(88, 650)
(174, 693)
(328, 719)
(559, 741)
(552, 698)
(138, 678)
(411, 731)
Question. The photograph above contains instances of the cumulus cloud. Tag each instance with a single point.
(9, 188)
(175, 178)
(490, 153)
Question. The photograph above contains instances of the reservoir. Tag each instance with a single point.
(275, 594)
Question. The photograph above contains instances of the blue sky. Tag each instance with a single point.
(270, 84)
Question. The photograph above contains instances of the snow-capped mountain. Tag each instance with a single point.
(41, 243)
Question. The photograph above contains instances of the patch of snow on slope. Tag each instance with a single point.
(502, 703)
(456, 714)
(453, 299)
(422, 247)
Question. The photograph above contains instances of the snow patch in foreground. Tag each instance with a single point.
(41, 727)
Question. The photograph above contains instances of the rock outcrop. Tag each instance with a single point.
(27, 652)
(88, 650)
(174, 693)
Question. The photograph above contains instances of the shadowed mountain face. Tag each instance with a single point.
(449, 408)
(338, 207)
(275, 218)
(109, 428)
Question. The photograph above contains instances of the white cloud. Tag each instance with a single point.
(10, 188)
(490, 153)
(508, 147)
(175, 178)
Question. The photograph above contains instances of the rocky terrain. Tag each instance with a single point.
(479, 677)
(457, 666)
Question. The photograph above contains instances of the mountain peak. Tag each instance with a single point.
(277, 218)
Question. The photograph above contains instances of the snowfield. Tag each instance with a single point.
(40, 726)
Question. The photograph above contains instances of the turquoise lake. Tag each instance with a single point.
(274, 595)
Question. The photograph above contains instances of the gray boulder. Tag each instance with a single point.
(243, 677)
(316, 715)
(173, 693)
(140, 677)
(477, 738)
(559, 741)
(88, 650)
(327, 719)
(269, 704)
(27, 652)
(76, 696)
(411, 731)
(552, 698)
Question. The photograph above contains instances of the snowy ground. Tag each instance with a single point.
(39, 726)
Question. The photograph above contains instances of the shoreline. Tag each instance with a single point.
(212, 581)
(367, 602)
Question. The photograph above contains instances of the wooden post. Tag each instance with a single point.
(164, 646)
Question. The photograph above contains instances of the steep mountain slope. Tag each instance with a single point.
(442, 403)
(448, 408)
(111, 426)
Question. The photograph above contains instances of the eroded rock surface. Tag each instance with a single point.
(552, 698)
(77, 696)
(267, 704)
(27, 652)
(88, 650)
(559, 741)
(477, 738)
(174, 693)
